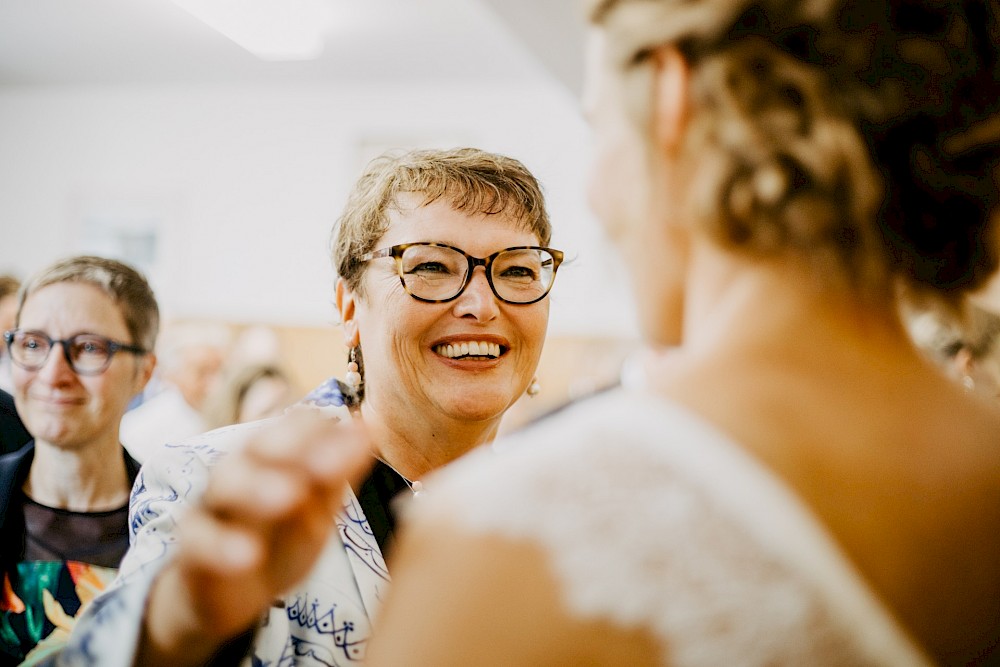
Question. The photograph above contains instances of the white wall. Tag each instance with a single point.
(245, 183)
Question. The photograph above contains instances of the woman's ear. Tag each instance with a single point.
(345, 306)
(144, 371)
(671, 87)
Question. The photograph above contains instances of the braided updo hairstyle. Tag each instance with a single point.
(863, 130)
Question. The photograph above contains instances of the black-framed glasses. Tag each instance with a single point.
(437, 273)
(86, 354)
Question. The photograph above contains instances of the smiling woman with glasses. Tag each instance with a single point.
(444, 276)
(64, 498)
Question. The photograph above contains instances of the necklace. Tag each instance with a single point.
(416, 487)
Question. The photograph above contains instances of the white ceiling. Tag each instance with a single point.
(94, 42)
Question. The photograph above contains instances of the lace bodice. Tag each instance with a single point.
(651, 518)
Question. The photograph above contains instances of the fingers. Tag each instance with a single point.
(243, 490)
(269, 506)
(328, 452)
(217, 547)
(264, 518)
(302, 458)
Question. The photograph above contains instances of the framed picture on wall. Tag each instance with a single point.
(131, 240)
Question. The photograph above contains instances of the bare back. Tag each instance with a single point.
(898, 464)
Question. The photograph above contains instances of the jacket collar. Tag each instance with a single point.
(14, 469)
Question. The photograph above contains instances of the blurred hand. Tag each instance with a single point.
(266, 515)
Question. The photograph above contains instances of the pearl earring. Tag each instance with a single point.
(968, 383)
(353, 376)
(534, 387)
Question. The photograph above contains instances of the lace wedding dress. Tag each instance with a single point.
(652, 518)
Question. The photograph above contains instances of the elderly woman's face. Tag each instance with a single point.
(56, 404)
(408, 366)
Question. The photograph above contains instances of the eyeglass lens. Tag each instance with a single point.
(86, 353)
(437, 273)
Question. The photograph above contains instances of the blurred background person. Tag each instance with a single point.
(443, 277)
(802, 487)
(13, 435)
(9, 285)
(80, 352)
(249, 393)
(190, 357)
(964, 344)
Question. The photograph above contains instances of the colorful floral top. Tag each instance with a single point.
(53, 563)
(38, 610)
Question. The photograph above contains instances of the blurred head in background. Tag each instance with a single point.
(966, 346)
(191, 356)
(9, 285)
(248, 393)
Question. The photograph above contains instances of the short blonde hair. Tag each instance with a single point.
(9, 285)
(126, 286)
(470, 179)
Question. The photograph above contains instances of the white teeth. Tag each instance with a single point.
(471, 349)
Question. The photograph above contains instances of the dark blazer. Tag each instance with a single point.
(13, 471)
(13, 435)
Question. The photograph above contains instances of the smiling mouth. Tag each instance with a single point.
(59, 400)
(470, 350)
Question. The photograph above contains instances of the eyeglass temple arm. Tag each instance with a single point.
(135, 349)
(376, 254)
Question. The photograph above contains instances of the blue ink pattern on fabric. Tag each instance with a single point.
(325, 395)
(310, 615)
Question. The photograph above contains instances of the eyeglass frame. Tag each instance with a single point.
(113, 348)
(396, 252)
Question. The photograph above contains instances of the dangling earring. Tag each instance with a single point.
(534, 387)
(353, 376)
(968, 383)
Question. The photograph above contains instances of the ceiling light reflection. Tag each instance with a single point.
(273, 30)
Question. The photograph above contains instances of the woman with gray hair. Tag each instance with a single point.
(803, 487)
(80, 352)
(246, 545)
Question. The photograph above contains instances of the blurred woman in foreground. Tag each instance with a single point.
(804, 488)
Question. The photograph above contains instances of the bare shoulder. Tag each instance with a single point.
(464, 598)
(901, 468)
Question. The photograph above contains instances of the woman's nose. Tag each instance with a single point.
(478, 299)
(56, 368)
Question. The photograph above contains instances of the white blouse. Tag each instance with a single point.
(653, 518)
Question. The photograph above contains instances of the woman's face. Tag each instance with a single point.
(406, 369)
(631, 188)
(58, 406)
